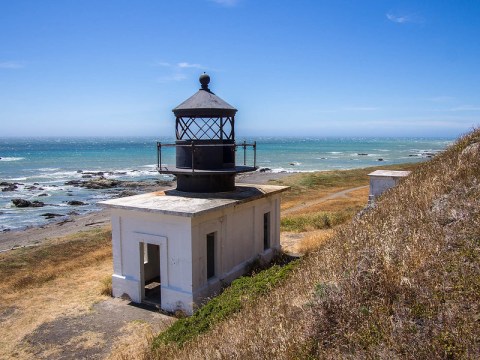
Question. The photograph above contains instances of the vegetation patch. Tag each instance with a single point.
(242, 290)
(316, 221)
(29, 267)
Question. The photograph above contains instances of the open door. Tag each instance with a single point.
(150, 273)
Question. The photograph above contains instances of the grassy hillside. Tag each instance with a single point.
(402, 281)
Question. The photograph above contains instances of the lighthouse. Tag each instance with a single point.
(178, 247)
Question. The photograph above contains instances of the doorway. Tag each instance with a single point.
(150, 263)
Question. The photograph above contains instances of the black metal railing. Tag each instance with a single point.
(243, 145)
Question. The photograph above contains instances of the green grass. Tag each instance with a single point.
(233, 299)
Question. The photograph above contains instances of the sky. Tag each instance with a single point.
(291, 68)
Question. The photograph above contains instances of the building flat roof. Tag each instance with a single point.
(173, 202)
(392, 173)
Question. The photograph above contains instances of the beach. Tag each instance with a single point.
(36, 235)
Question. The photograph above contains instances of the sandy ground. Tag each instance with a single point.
(37, 235)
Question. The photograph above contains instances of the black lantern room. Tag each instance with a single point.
(205, 144)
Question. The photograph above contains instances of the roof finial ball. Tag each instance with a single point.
(204, 80)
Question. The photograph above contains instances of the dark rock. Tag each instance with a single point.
(76, 203)
(31, 187)
(293, 164)
(265, 169)
(51, 215)
(5, 230)
(43, 194)
(22, 203)
(79, 171)
(101, 183)
(10, 187)
(74, 182)
(380, 159)
(36, 184)
(73, 213)
(4, 183)
(86, 176)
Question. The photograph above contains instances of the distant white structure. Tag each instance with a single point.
(381, 180)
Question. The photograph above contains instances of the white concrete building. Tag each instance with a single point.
(382, 180)
(175, 249)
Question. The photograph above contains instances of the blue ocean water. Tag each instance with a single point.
(42, 166)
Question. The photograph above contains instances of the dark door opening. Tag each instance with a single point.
(266, 231)
(210, 255)
(151, 273)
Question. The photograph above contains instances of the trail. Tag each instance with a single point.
(339, 194)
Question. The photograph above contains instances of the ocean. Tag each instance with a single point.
(40, 167)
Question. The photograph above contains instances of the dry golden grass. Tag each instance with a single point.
(402, 281)
(135, 344)
(313, 240)
(43, 283)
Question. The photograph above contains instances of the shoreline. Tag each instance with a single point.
(37, 235)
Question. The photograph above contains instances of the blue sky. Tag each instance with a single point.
(301, 68)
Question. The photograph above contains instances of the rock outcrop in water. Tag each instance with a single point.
(22, 203)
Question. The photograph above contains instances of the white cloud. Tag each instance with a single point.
(228, 3)
(11, 65)
(404, 18)
(183, 65)
(178, 71)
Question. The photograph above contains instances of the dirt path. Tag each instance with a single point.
(339, 194)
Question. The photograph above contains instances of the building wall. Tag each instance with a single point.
(172, 234)
(379, 184)
(238, 241)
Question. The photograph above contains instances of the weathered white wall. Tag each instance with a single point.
(238, 241)
(379, 184)
(172, 234)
